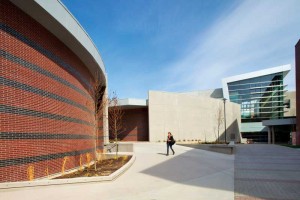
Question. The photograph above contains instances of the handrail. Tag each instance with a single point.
(110, 146)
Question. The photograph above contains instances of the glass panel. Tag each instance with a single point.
(260, 97)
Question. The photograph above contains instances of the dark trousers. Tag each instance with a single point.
(169, 145)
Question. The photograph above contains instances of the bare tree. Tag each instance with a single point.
(100, 103)
(220, 120)
(115, 117)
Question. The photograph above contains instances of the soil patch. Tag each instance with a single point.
(104, 168)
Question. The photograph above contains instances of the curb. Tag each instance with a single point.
(46, 182)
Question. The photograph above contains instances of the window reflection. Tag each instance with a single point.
(260, 97)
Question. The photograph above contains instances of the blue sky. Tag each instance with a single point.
(188, 45)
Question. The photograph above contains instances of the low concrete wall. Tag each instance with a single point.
(122, 147)
(226, 149)
(219, 148)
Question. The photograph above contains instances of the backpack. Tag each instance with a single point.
(173, 141)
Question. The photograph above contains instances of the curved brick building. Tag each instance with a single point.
(49, 67)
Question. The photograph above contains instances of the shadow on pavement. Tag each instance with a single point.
(161, 154)
(198, 168)
(257, 171)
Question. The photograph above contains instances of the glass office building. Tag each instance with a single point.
(261, 96)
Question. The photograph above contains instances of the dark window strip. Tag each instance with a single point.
(33, 159)
(43, 51)
(28, 88)
(23, 111)
(40, 70)
(39, 136)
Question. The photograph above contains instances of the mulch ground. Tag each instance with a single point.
(103, 168)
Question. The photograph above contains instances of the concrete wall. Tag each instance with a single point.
(190, 117)
(214, 93)
(291, 111)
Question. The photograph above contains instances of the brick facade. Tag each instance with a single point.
(135, 122)
(46, 101)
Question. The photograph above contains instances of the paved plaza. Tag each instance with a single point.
(256, 171)
(265, 171)
(190, 174)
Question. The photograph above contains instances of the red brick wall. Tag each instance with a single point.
(297, 61)
(135, 123)
(46, 101)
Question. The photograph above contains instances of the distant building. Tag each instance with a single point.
(266, 110)
(192, 117)
(135, 120)
(261, 95)
(189, 116)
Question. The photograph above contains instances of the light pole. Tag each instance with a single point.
(224, 100)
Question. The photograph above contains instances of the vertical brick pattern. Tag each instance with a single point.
(46, 101)
(297, 62)
(135, 124)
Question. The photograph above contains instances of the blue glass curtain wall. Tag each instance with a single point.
(260, 98)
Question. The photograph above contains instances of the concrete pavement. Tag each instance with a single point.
(191, 174)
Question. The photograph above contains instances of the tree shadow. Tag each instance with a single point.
(232, 133)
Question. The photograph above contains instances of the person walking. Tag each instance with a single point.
(170, 143)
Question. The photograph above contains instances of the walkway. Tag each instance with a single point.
(191, 174)
(266, 172)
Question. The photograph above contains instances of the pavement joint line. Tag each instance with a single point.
(267, 180)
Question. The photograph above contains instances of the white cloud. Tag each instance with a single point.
(253, 36)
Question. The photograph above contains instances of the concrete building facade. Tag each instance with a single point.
(262, 96)
(189, 116)
(192, 117)
(267, 110)
(49, 68)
